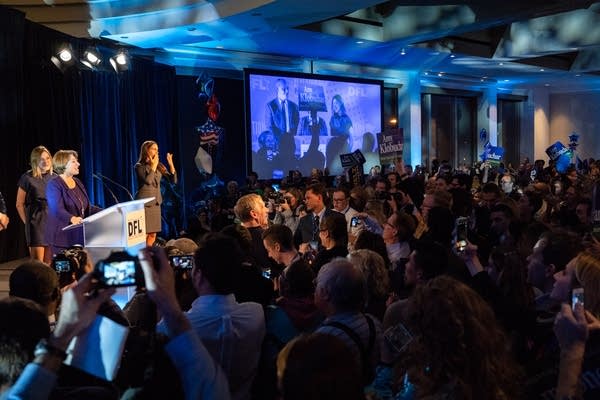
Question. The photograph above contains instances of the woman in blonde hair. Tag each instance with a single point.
(587, 272)
(68, 203)
(31, 204)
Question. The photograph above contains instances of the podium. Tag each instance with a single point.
(121, 227)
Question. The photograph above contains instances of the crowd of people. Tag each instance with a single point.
(308, 289)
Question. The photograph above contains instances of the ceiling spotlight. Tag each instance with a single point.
(402, 52)
(64, 58)
(65, 55)
(120, 61)
(91, 58)
(452, 56)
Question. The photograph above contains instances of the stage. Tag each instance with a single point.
(5, 270)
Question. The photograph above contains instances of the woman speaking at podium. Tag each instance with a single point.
(68, 203)
(149, 171)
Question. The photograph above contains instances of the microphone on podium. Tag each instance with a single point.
(106, 187)
(117, 184)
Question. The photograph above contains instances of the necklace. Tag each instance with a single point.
(80, 200)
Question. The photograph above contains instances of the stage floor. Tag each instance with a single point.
(6, 269)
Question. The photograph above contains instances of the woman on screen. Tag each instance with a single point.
(340, 126)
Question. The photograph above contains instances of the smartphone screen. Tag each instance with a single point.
(354, 221)
(577, 297)
(183, 262)
(462, 226)
(61, 266)
(117, 273)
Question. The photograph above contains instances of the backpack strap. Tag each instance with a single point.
(364, 353)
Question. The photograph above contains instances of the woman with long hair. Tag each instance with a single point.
(456, 348)
(149, 172)
(31, 204)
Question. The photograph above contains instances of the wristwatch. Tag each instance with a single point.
(43, 347)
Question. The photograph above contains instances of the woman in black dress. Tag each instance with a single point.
(32, 205)
(149, 171)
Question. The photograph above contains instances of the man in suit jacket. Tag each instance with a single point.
(308, 227)
(282, 115)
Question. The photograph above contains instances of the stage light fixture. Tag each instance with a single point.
(64, 58)
(91, 58)
(120, 61)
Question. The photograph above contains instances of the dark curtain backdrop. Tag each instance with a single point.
(105, 117)
(102, 115)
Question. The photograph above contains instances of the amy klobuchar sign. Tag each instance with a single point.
(492, 154)
(561, 155)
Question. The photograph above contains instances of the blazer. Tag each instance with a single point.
(275, 118)
(63, 203)
(304, 231)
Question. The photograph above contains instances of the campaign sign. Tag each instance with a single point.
(561, 155)
(311, 97)
(347, 160)
(390, 144)
(493, 154)
(351, 159)
(556, 150)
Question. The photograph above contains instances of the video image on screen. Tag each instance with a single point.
(304, 121)
(119, 273)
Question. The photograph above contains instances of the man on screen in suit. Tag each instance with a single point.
(282, 115)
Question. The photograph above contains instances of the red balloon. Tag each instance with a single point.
(214, 108)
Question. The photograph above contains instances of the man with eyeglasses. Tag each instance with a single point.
(341, 204)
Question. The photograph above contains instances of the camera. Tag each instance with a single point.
(182, 261)
(461, 233)
(277, 197)
(62, 266)
(69, 264)
(119, 269)
(354, 222)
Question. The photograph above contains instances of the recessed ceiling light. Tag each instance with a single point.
(359, 42)
(452, 56)
(577, 74)
(546, 84)
(219, 47)
(402, 52)
(426, 73)
(506, 80)
(440, 74)
(501, 63)
(541, 69)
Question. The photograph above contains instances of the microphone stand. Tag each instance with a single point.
(106, 187)
(117, 184)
